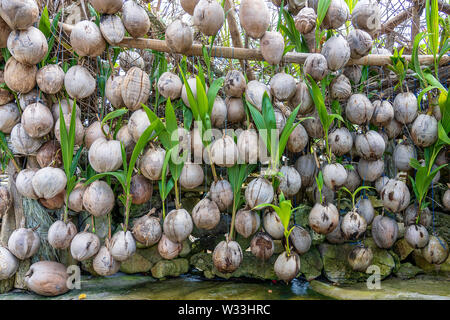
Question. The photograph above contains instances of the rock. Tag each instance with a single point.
(423, 264)
(6, 285)
(311, 264)
(136, 264)
(408, 271)
(87, 266)
(19, 282)
(402, 249)
(186, 248)
(277, 247)
(442, 225)
(170, 268)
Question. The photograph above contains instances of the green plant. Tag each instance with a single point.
(353, 194)
(296, 40)
(319, 182)
(6, 153)
(432, 18)
(322, 8)
(49, 30)
(399, 67)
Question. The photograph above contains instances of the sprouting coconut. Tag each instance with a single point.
(208, 17)
(280, 119)
(340, 141)
(353, 179)
(337, 14)
(353, 225)
(405, 107)
(222, 194)
(129, 59)
(370, 146)
(384, 231)
(112, 29)
(366, 16)
(337, 52)
(380, 183)
(403, 153)
(234, 85)
(272, 47)
(227, 256)
(9, 264)
(360, 258)
(19, 77)
(417, 236)
(383, 113)
(370, 170)
(124, 136)
(22, 143)
(47, 278)
(262, 246)
(301, 239)
(79, 129)
(254, 93)
(340, 88)
(290, 182)
(94, 132)
(50, 78)
(66, 107)
(273, 225)
(135, 88)
(189, 5)
(179, 37)
(224, 152)
(193, 85)
(24, 243)
(323, 218)
(286, 266)
(282, 86)
(247, 222)
(359, 109)
(19, 14)
(206, 214)
(313, 126)
(218, 113)
(254, 17)
(37, 120)
(84, 246)
(105, 155)
(353, 73)
(86, 39)
(48, 182)
(303, 98)
(60, 234)
(135, 19)
(76, 198)
(141, 189)
(191, 176)
(258, 191)
(360, 43)
(247, 145)
(152, 162)
(424, 130)
(104, 263)
(98, 198)
(137, 123)
(316, 66)
(298, 139)
(334, 175)
(412, 213)
(169, 249)
(169, 85)
(9, 117)
(446, 199)
(336, 236)
(393, 129)
(235, 110)
(307, 168)
(177, 225)
(106, 6)
(395, 195)
(28, 46)
(79, 83)
(305, 20)
(122, 246)
(147, 229)
(365, 209)
(436, 251)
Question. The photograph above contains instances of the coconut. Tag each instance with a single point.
(272, 47)
(360, 258)
(384, 231)
(442, 157)
(254, 93)
(50, 78)
(370, 170)
(147, 230)
(112, 29)
(123, 246)
(84, 246)
(313, 126)
(141, 189)
(106, 6)
(323, 218)
(9, 117)
(168, 249)
(234, 85)
(98, 198)
(224, 152)
(129, 59)
(353, 180)
(340, 88)
(403, 153)
(135, 19)
(286, 266)
(66, 109)
(137, 124)
(20, 77)
(105, 156)
(193, 85)
(124, 136)
(337, 52)
(135, 88)
(334, 175)
(79, 83)
(424, 130)
(353, 225)
(353, 73)
(303, 98)
(393, 129)
(206, 214)
(178, 225)
(316, 66)
(290, 182)
(262, 246)
(298, 139)
(222, 194)
(208, 17)
(94, 132)
(28, 98)
(19, 14)
(366, 16)
(37, 120)
(235, 110)
(417, 236)
(5, 95)
(395, 195)
(370, 146)
(219, 113)
(23, 183)
(365, 209)
(359, 109)
(76, 198)
(340, 141)
(8, 262)
(307, 168)
(411, 215)
(28, 46)
(446, 199)
(383, 113)
(247, 222)
(280, 119)
(380, 183)
(360, 43)
(247, 143)
(227, 256)
(301, 239)
(23, 243)
(21, 142)
(336, 236)
(191, 176)
(273, 225)
(47, 278)
(48, 182)
(152, 162)
(436, 251)
(189, 5)
(337, 14)
(405, 107)
(86, 39)
(258, 191)
(5, 30)
(305, 20)
(282, 86)
(60, 234)
(56, 202)
(104, 264)
(254, 17)
(179, 37)
(79, 129)
(169, 85)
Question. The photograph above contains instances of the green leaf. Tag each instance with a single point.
(202, 100)
(44, 23)
(268, 113)
(119, 175)
(171, 122)
(319, 102)
(112, 115)
(212, 93)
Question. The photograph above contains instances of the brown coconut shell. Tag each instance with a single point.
(98, 198)
(19, 14)
(9, 117)
(94, 132)
(22, 143)
(57, 202)
(47, 278)
(5, 30)
(272, 47)
(179, 36)
(49, 155)
(189, 5)
(135, 19)
(79, 83)
(28, 46)
(87, 40)
(79, 129)
(113, 91)
(20, 77)
(135, 88)
(50, 78)
(37, 120)
(141, 189)
(254, 17)
(112, 29)
(106, 6)
(208, 17)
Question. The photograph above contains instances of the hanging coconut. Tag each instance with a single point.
(286, 266)
(105, 156)
(293, 6)
(124, 136)
(383, 113)
(141, 189)
(9, 117)
(5, 95)
(403, 153)
(48, 182)
(112, 29)
(258, 191)
(436, 251)
(303, 98)
(301, 239)
(22, 143)
(247, 222)
(135, 19)
(298, 139)
(50, 78)
(208, 17)
(56, 202)
(337, 14)
(137, 123)
(24, 185)
(104, 264)
(393, 129)
(417, 236)
(360, 258)
(179, 36)
(169, 85)
(37, 120)
(334, 175)
(412, 214)
(353, 180)
(307, 168)
(87, 40)
(8, 262)
(254, 17)
(365, 209)
(152, 162)
(336, 236)
(384, 231)
(305, 20)
(395, 195)
(219, 113)
(76, 198)
(135, 88)
(168, 249)
(189, 5)
(405, 107)
(193, 85)
(340, 141)
(5, 200)
(366, 16)
(273, 225)
(98, 198)
(122, 246)
(47, 278)
(290, 182)
(224, 152)
(27, 46)
(272, 47)
(60, 234)
(147, 230)
(247, 145)
(24, 243)
(222, 194)
(424, 130)
(262, 246)
(380, 183)
(316, 66)
(340, 88)
(323, 218)
(336, 51)
(191, 176)
(353, 225)
(353, 73)
(206, 214)
(19, 14)
(282, 86)
(254, 93)
(235, 110)
(94, 132)
(227, 256)
(106, 6)
(84, 246)
(178, 225)
(234, 85)
(79, 129)
(79, 83)
(66, 106)
(370, 170)
(360, 43)
(129, 59)
(359, 109)
(20, 77)
(370, 146)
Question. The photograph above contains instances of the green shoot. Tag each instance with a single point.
(353, 194)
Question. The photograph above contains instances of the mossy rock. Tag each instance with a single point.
(137, 263)
(186, 251)
(402, 249)
(311, 264)
(170, 268)
(7, 285)
(87, 265)
(408, 271)
(423, 264)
